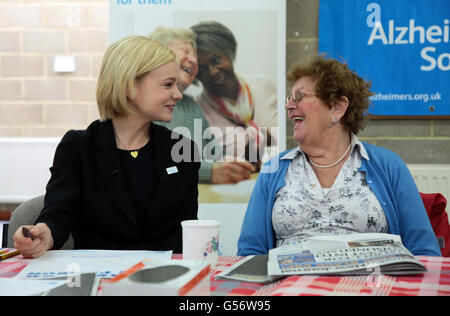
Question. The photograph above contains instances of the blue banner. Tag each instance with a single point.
(401, 46)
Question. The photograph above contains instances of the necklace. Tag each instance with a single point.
(140, 140)
(335, 163)
(133, 153)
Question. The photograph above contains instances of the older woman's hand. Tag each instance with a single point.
(231, 172)
(36, 247)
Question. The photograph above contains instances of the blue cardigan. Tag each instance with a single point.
(388, 177)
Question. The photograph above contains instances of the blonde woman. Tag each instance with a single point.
(115, 185)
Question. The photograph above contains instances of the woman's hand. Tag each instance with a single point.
(42, 242)
(231, 172)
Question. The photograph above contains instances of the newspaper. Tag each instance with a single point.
(352, 254)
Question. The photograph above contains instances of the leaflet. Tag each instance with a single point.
(105, 263)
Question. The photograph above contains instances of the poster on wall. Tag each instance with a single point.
(256, 61)
(401, 46)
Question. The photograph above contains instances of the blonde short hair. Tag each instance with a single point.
(167, 35)
(124, 62)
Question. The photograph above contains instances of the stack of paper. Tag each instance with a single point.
(14, 287)
(105, 263)
(73, 272)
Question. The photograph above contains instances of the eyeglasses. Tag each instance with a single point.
(298, 96)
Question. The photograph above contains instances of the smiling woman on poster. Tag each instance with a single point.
(187, 113)
(245, 102)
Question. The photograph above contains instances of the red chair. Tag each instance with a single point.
(435, 204)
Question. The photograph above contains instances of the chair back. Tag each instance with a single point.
(435, 204)
(26, 214)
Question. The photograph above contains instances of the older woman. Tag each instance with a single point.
(115, 185)
(332, 183)
(247, 103)
(188, 115)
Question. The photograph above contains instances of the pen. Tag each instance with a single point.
(3, 251)
(26, 232)
(9, 255)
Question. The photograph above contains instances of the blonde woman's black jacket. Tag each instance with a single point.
(86, 195)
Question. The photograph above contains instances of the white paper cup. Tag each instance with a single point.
(201, 240)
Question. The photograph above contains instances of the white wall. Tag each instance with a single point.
(432, 178)
(24, 167)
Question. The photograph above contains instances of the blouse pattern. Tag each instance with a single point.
(303, 209)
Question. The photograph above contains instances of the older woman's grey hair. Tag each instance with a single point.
(167, 35)
(215, 37)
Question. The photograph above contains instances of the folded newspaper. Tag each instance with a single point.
(344, 255)
(353, 254)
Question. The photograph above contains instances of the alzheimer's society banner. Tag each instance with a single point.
(402, 46)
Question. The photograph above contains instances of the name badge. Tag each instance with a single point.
(172, 170)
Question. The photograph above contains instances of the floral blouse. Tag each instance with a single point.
(303, 209)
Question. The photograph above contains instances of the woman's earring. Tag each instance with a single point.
(335, 120)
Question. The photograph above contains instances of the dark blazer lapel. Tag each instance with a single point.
(109, 164)
(161, 152)
(169, 183)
